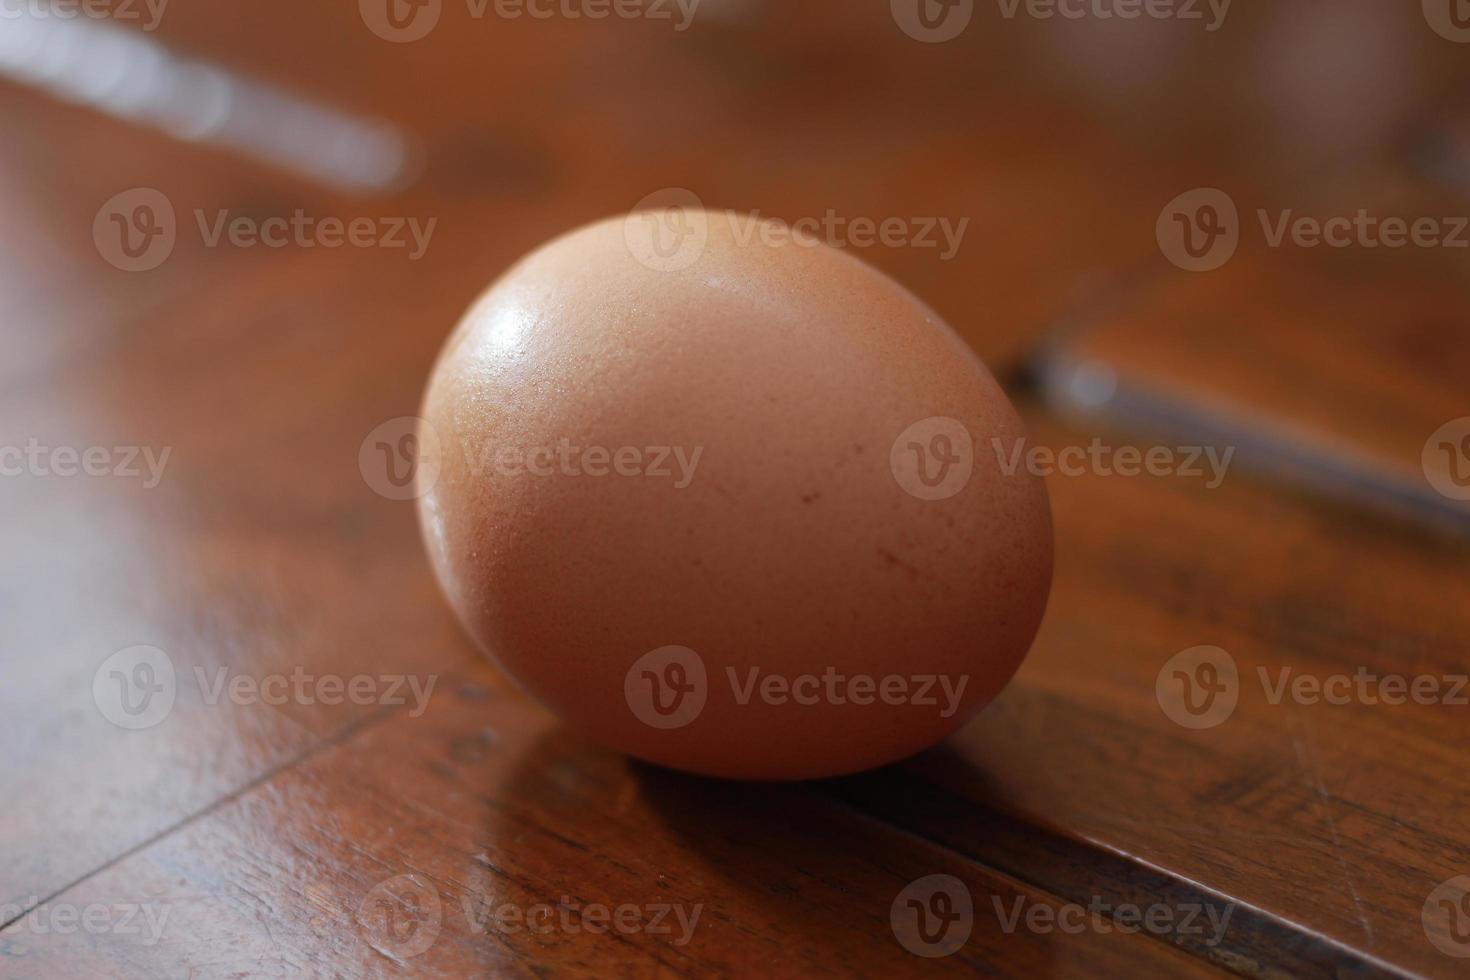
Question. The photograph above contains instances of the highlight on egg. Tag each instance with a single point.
(728, 502)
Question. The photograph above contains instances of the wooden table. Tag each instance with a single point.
(1096, 820)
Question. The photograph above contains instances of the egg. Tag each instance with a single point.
(731, 501)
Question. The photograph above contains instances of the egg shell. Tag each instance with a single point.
(691, 434)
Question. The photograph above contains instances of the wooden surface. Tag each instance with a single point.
(277, 840)
(1333, 364)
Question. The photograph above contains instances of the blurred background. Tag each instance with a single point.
(1058, 131)
(1124, 186)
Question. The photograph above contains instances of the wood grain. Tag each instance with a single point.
(1338, 818)
(482, 810)
(1329, 358)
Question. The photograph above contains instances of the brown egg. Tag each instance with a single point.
(731, 502)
